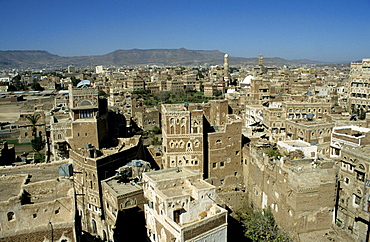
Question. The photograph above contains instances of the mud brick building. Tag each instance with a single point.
(316, 132)
(353, 200)
(299, 189)
(7, 153)
(123, 199)
(181, 207)
(26, 127)
(359, 85)
(36, 205)
(348, 136)
(203, 137)
(90, 167)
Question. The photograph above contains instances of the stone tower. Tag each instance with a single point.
(226, 67)
(89, 118)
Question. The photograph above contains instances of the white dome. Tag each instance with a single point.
(247, 80)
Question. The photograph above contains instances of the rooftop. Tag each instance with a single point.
(296, 143)
(121, 188)
(10, 186)
(171, 173)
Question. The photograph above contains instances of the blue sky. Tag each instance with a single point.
(325, 30)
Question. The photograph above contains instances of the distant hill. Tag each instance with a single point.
(42, 59)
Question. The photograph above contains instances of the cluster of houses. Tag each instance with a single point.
(294, 140)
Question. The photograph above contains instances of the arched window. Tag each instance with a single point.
(94, 228)
(11, 216)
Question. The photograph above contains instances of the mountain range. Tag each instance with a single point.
(161, 57)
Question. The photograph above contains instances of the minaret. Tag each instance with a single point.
(226, 67)
(260, 63)
(260, 60)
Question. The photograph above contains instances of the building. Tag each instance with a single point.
(348, 136)
(31, 125)
(182, 133)
(90, 167)
(203, 137)
(124, 202)
(181, 207)
(88, 116)
(289, 178)
(36, 205)
(359, 85)
(316, 132)
(353, 200)
(7, 153)
(81, 134)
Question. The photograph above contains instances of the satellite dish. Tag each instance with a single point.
(83, 83)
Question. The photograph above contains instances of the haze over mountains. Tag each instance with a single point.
(42, 59)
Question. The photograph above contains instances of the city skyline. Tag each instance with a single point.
(334, 31)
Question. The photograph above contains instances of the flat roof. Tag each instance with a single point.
(10, 186)
(171, 173)
(296, 143)
(122, 188)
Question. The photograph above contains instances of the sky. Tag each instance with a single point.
(322, 30)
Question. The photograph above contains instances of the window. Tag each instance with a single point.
(360, 176)
(339, 223)
(94, 227)
(86, 113)
(346, 180)
(214, 165)
(350, 168)
(11, 216)
(177, 213)
(222, 164)
(150, 204)
(356, 199)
